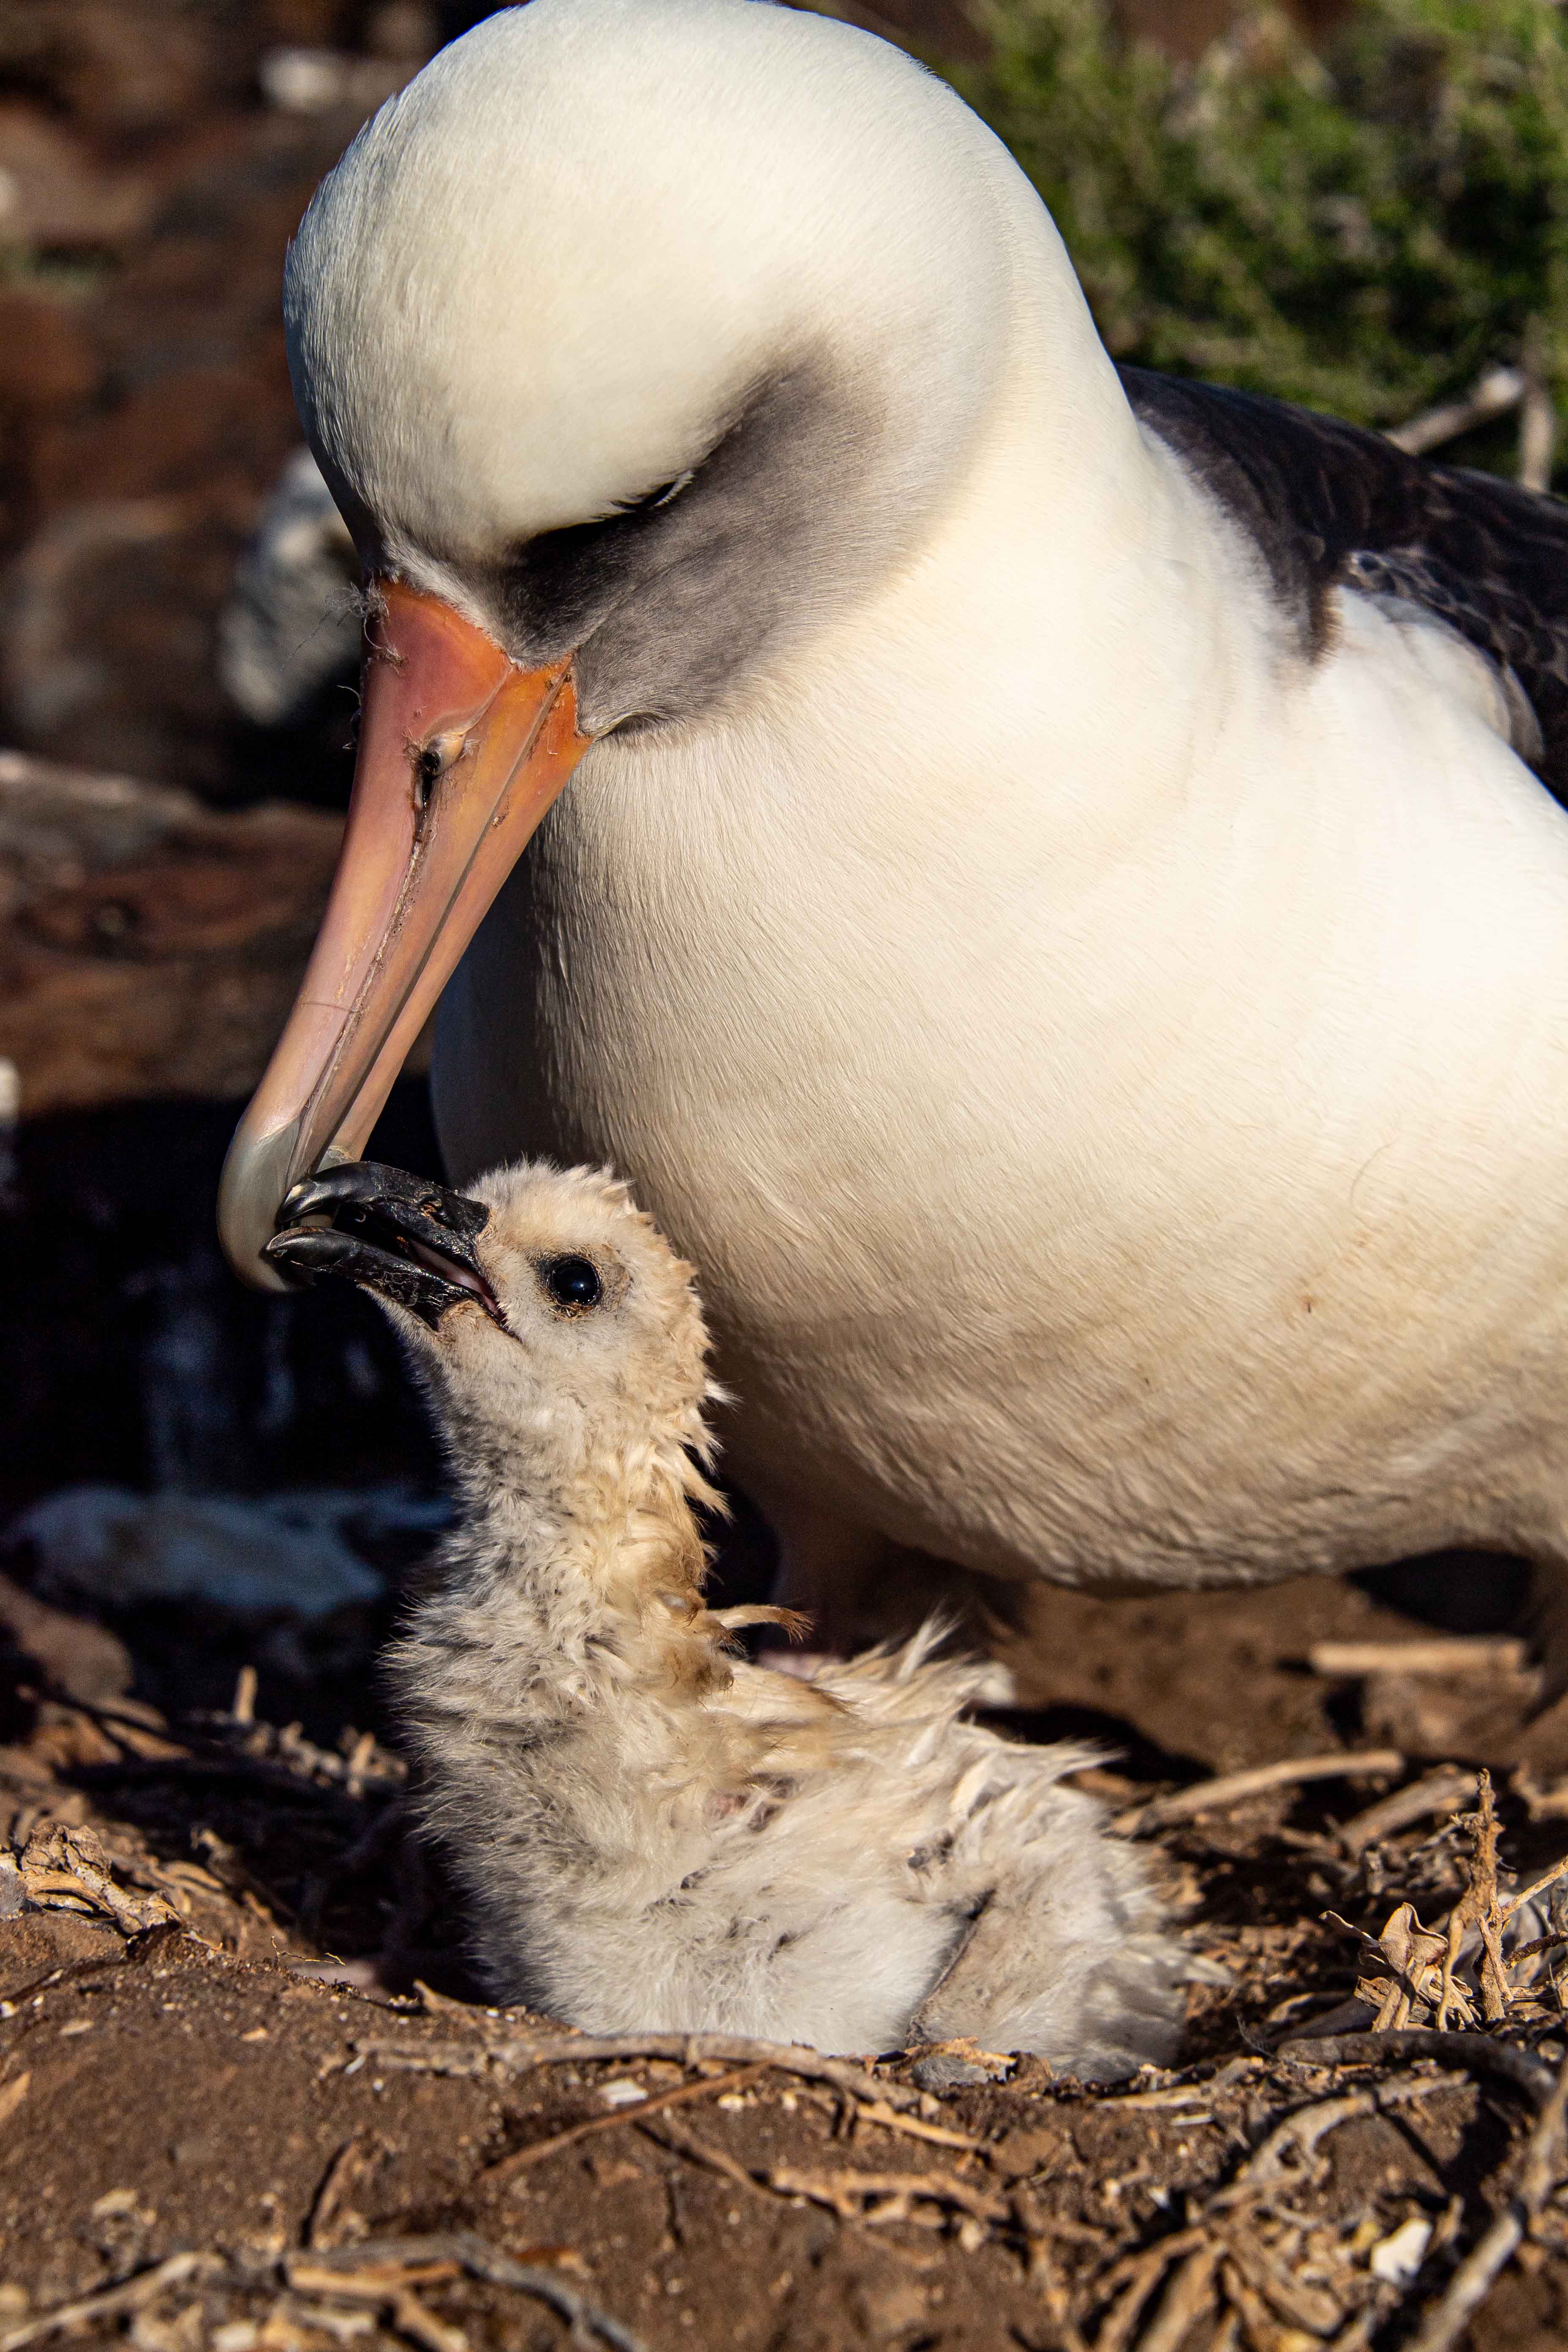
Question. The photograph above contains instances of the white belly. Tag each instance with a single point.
(1164, 1177)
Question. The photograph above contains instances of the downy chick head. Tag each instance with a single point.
(556, 1331)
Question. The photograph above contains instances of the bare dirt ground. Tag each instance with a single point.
(248, 2097)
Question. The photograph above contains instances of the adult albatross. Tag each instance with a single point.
(1059, 907)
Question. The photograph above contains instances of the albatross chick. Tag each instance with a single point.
(653, 1831)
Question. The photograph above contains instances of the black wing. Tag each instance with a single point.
(1331, 506)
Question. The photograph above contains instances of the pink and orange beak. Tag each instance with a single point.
(460, 754)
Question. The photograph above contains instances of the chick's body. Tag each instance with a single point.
(652, 1832)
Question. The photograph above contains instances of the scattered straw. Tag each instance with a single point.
(1478, 2273)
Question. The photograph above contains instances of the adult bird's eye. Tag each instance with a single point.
(572, 1281)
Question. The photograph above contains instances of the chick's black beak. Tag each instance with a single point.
(409, 1241)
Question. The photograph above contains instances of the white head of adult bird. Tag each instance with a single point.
(1053, 910)
(654, 1832)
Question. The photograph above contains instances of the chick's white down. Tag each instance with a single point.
(654, 1832)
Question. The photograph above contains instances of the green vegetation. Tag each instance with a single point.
(1363, 230)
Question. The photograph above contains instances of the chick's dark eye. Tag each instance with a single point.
(572, 1281)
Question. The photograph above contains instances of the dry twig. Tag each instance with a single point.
(1036, 2228)
(391, 2290)
(671, 2136)
(1141, 2274)
(1495, 392)
(889, 2195)
(508, 2166)
(1537, 416)
(1537, 1886)
(1478, 1653)
(355, 2161)
(1187, 2294)
(480, 2260)
(1440, 1793)
(1233, 1788)
(110, 2302)
(1476, 2054)
(515, 2053)
(1480, 1907)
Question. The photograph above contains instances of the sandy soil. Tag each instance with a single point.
(249, 2098)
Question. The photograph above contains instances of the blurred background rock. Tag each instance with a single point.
(1363, 207)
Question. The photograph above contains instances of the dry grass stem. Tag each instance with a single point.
(1233, 1788)
(391, 2292)
(1263, 2331)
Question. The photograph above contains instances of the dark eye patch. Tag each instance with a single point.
(664, 600)
(572, 1283)
(558, 586)
(661, 497)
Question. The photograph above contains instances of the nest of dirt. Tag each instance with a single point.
(248, 2097)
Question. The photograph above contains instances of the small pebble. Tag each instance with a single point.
(1400, 2255)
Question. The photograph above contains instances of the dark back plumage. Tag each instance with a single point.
(1332, 506)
